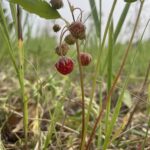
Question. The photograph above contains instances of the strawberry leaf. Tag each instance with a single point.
(38, 7)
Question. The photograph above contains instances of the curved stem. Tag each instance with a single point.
(106, 100)
(61, 37)
(80, 15)
(62, 34)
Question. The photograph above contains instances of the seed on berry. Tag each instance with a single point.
(64, 65)
(57, 4)
(77, 29)
(85, 58)
(62, 49)
(56, 27)
(69, 39)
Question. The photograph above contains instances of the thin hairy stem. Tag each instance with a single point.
(81, 78)
(82, 89)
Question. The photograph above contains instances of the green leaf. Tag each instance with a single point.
(130, 1)
(38, 7)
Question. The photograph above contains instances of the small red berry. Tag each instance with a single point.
(56, 27)
(85, 58)
(57, 4)
(62, 49)
(69, 39)
(64, 65)
(77, 29)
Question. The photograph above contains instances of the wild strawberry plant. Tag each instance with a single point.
(74, 34)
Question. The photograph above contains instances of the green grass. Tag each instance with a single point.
(43, 55)
(43, 58)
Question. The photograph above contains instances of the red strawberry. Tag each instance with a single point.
(77, 29)
(64, 65)
(85, 58)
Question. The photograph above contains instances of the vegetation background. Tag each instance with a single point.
(54, 107)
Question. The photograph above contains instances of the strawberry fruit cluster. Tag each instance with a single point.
(77, 31)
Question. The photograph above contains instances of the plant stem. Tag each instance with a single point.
(99, 139)
(19, 71)
(21, 74)
(81, 80)
(70, 7)
(106, 100)
(82, 90)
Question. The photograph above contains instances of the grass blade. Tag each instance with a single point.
(14, 15)
(121, 21)
(109, 69)
(95, 17)
(118, 105)
(52, 124)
